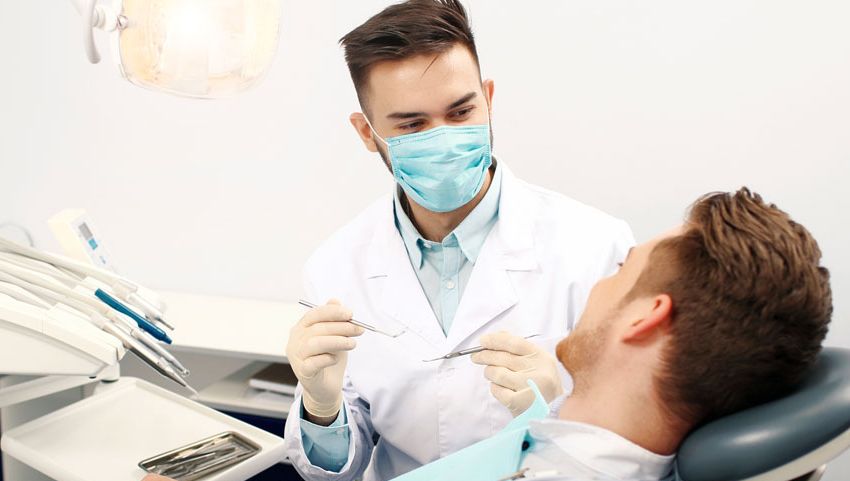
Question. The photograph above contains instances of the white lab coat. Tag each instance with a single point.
(533, 276)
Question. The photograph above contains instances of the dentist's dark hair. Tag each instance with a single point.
(407, 29)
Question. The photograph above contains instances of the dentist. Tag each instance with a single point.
(461, 253)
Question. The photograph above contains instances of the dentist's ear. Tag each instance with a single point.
(489, 87)
(361, 126)
(657, 315)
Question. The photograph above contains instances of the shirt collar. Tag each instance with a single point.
(602, 450)
(470, 234)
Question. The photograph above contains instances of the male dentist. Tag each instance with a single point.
(461, 253)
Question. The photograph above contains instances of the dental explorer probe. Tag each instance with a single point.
(99, 307)
(466, 352)
(159, 364)
(125, 289)
(356, 322)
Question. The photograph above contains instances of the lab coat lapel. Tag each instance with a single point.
(401, 296)
(509, 247)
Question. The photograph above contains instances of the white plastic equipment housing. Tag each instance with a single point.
(38, 342)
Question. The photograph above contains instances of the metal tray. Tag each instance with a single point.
(199, 459)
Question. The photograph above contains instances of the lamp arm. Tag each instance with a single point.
(96, 16)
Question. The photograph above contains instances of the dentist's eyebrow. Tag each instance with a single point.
(412, 115)
(466, 98)
(406, 115)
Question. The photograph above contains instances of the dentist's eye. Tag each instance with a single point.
(411, 126)
(462, 113)
(620, 265)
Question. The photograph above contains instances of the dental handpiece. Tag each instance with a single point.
(139, 349)
(151, 344)
(122, 313)
(158, 364)
(126, 290)
(69, 295)
(150, 311)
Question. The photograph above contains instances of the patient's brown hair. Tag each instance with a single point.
(751, 306)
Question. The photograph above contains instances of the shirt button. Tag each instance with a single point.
(450, 284)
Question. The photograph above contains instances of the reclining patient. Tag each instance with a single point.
(723, 313)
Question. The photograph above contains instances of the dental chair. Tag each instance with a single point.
(790, 439)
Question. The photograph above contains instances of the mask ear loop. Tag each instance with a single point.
(490, 132)
(375, 133)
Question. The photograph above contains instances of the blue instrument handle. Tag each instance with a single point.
(143, 323)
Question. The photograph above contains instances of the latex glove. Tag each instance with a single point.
(511, 361)
(318, 353)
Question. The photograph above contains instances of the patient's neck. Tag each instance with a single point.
(637, 416)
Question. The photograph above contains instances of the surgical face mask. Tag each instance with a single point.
(443, 168)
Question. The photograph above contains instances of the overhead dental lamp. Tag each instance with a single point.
(192, 48)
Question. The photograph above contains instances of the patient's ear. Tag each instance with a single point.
(656, 315)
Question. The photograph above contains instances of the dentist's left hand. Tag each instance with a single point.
(511, 361)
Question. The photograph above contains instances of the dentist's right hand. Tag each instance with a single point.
(318, 353)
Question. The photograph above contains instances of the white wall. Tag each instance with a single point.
(635, 107)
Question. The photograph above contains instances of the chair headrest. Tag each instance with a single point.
(765, 437)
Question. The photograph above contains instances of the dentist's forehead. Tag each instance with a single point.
(423, 82)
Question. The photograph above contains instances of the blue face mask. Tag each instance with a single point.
(443, 168)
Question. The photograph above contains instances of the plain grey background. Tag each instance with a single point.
(634, 107)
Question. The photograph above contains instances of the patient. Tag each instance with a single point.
(724, 313)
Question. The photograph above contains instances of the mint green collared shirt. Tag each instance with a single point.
(443, 269)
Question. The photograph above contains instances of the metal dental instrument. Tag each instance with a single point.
(465, 352)
(202, 458)
(357, 323)
(189, 463)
